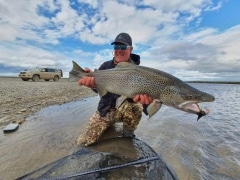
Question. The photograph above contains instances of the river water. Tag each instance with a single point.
(204, 149)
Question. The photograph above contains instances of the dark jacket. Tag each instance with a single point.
(108, 101)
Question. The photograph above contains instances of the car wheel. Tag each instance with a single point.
(56, 78)
(25, 79)
(35, 77)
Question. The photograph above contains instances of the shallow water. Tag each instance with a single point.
(204, 149)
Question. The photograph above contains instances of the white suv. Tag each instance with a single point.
(42, 73)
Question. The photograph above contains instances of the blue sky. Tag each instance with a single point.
(190, 39)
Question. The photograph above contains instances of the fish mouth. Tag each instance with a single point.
(193, 107)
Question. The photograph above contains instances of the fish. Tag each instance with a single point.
(128, 80)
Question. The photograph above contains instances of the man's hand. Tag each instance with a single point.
(86, 80)
(143, 99)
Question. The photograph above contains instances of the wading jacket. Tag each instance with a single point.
(108, 101)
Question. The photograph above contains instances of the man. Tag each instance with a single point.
(113, 108)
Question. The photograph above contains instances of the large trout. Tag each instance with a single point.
(128, 80)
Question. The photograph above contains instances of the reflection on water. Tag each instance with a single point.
(204, 149)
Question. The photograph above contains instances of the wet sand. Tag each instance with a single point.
(20, 99)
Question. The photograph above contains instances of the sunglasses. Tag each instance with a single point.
(122, 47)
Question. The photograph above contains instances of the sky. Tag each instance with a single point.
(190, 39)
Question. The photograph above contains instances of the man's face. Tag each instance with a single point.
(121, 55)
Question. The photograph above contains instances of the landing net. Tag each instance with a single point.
(115, 158)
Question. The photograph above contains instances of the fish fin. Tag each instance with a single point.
(77, 71)
(120, 100)
(73, 77)
(124, 65)
(76, 67)
(153, 108)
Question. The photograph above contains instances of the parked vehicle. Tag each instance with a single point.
(41, 73)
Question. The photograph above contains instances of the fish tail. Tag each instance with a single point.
(77, 71)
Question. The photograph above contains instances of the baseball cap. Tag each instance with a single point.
(123, 38)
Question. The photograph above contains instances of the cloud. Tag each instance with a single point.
(29, 57)
(95, 21)
(164, 33)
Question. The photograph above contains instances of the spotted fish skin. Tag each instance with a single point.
(129, 80)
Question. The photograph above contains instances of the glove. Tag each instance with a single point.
(143, 99)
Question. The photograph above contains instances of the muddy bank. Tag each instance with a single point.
(20, 99)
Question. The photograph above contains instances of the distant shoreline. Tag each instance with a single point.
(19, 78)
(212, 82)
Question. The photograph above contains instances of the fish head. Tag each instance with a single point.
(187, 98)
